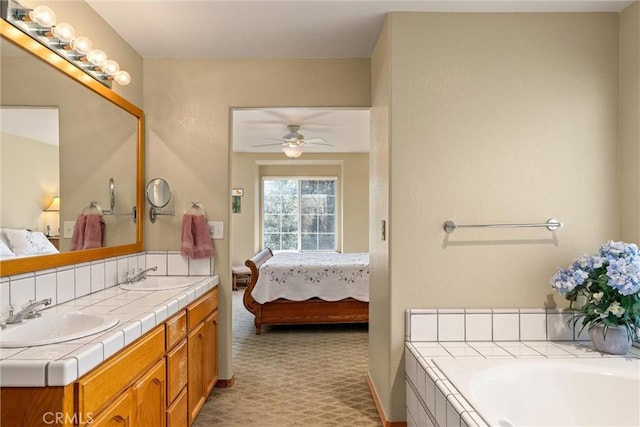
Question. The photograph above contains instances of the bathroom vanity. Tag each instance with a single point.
(155, 368)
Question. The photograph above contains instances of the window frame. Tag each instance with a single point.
(337, 213)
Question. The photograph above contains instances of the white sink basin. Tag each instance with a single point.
(53, 328)
(159, 283)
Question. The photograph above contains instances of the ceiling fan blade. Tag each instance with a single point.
(267, 145)
(275, 139)
(315, 140)
(320, 143)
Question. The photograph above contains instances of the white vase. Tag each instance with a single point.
(617, 341)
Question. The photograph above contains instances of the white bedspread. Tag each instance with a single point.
(298, 276)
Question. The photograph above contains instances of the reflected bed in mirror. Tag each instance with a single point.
(100, 138)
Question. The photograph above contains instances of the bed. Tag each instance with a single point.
(307, 288)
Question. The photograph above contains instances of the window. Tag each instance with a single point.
(299, 214)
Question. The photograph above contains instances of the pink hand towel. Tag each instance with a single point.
(95, 232)
(196, 241)
(77, 240)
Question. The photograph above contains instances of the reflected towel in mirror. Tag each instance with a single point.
(89, 232)
(196, 241)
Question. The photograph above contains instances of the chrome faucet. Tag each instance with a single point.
(133, 278)
(29, 311)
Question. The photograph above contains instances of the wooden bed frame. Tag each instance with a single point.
(286, 312)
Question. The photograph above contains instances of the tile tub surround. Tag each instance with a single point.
(431, 398)
(61, 364)
(69, 282)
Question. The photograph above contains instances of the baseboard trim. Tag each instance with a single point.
(383, 418)
(226, 383)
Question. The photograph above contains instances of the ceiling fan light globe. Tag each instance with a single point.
(293, 152)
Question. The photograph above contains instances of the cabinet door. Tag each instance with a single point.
(211, 355)
(178, 413)
(150, 392)
(197, 348)
(118, 414)
(177, 375)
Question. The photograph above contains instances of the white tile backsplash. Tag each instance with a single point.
(177, 265)
(557, 324)
(533, 326)
(69, 282)
(424, 327)
(83, 280)
(506, 326)
(450, 327)
(46, 286)
(97, 276)
(478, 327)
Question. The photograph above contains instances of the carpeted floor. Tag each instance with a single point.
(293, 376)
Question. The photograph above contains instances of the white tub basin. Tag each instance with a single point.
(53, 328)
(158, 283)
(549, 392)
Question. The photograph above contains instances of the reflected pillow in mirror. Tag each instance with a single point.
(24, 242)
(4, 250)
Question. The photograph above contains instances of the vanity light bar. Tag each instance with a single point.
(40, 24)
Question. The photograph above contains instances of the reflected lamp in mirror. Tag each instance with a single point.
(41, 24)
(54, 206)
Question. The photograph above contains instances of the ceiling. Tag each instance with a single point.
(286, 28)
(290, 29)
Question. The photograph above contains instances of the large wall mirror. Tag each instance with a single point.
(97, 152)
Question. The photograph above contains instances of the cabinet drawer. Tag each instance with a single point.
(199, 310)
(177, 373)
(177, 414)
(176, 329)
(105, 382)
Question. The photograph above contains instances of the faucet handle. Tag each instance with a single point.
(11, 310)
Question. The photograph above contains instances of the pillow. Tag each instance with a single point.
(24, 242)
(3, 237)
(4, 249)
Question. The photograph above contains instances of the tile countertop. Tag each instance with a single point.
(63, 363)
(432, 383)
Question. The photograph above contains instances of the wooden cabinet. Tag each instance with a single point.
(150, 392)
(202, 343)
(161, 379)
(119, 414)
(211, 355)
(178, 412)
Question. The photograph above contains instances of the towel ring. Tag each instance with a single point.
(93, 205)
(196, 208)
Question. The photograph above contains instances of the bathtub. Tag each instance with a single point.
(549, 392)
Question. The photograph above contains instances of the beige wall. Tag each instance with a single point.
(188, 106)
(352, 171)
(629, 119)
(28, 180)
(495, 118)
(379, 285)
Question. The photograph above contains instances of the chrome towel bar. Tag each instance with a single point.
(551, 225)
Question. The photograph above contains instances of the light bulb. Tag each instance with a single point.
(111, 67)
(64, 32)
(43, 16)
(122, 77)
(97, 57)
(82, 45)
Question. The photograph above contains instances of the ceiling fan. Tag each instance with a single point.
(293, 142)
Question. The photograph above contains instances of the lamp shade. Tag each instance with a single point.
(55, 205)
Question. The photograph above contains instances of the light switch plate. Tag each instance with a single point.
(67, 231)
(216, 229)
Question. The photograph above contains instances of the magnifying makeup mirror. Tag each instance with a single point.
(158, 195)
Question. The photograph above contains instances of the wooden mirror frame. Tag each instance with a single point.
(28, 264)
